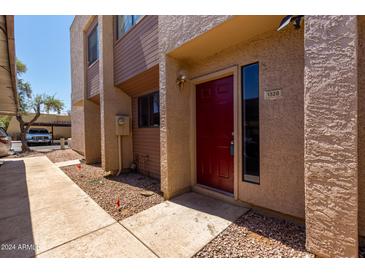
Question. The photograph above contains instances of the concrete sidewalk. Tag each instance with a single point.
(181, 227)
(44, 214)
(42, 209)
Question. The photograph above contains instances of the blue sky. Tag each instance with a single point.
(43, 44)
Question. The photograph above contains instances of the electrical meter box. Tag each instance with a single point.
(122, 125)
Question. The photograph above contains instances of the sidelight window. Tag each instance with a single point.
(250, 123)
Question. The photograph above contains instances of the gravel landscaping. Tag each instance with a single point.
(134, 191)
(63, 155)
(254, 235)
(54, 155)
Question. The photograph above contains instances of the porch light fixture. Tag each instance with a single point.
(295, 19)
(180, 81)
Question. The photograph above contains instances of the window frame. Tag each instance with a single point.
(93, 29)
(243, 121)
(149, 97)
(116, 23)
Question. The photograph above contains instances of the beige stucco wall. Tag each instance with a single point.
(316, 154)
(113, 101)
(175, 105)
(282, 145)
(77, 129)
(92, 132)
(77, 47)
(331, 162)
(174, 131)
(85, 113)
(361, 122)
(78, 82)
(61, 132)
(176, 30)
(281, 61)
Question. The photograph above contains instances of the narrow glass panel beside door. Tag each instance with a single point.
(250, 123)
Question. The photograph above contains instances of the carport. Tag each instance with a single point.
(8, 95)
(52, 125)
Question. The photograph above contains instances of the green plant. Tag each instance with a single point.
(4, 121)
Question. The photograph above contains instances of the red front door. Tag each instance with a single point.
(214, 133)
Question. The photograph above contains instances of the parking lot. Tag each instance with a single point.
(16, 146)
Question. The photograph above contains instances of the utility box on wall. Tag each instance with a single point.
(122, 125)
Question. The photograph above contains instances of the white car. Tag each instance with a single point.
(39, 136)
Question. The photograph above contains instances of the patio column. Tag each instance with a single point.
(175, 138)
(91, 132)
(330, 129)
(113, 101)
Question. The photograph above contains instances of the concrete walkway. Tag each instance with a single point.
(44, 214)
(181, 227)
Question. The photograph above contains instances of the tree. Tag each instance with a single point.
(4, 121)
(43, 103)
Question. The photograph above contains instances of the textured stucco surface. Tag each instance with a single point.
(176, 30)
(85, 113)
(331, 135)
(113, 101)
(78, 82)
(77, 57)
(94, 127)
(174, 131)
(281, 61)
(310, 140)
(92, 132)
(77, 129)
(174, 104)
(361, 122)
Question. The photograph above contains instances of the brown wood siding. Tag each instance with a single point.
(93, 79)
(146, 145)
(137, 50)
(139, 84)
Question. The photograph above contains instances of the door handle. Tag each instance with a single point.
(231, 148)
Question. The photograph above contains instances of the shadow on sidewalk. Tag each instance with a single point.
(16, 233)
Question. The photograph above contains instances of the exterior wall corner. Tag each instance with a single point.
(330, 132)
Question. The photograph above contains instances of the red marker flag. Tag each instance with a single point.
(78, 166)
(118, 202)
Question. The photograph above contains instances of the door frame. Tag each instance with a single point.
(228, 71)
